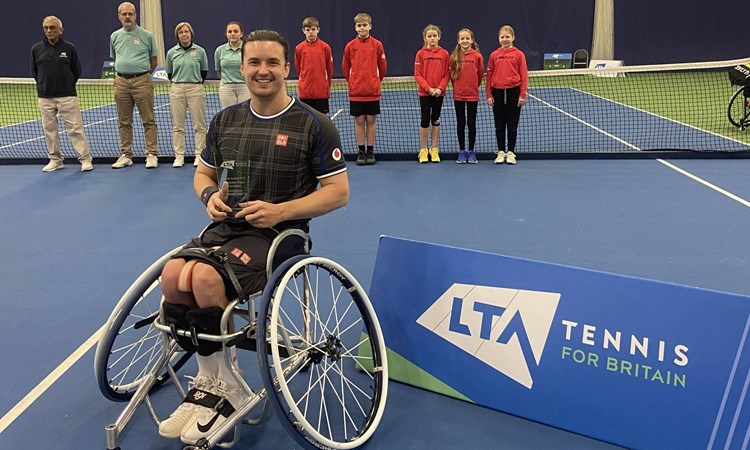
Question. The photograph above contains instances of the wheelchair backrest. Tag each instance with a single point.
(740, 75)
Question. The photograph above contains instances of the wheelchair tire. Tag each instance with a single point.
(738, 110)
(129, 346)
(322, 355)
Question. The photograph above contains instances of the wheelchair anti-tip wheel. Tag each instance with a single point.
(129, 345)
(322, 355)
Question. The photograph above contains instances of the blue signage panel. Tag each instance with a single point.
(635, 362)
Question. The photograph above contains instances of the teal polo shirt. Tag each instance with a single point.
(228, 62)
(132, 50)
(186, 64)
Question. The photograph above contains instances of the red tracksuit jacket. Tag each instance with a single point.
(466, 86)
(314, 64)
(507, 69)
(364, 66)
(431, 69)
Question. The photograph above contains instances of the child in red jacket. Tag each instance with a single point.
(314, 64)
(431, 74)
(364, 67)
(467, 72)
(507, 83)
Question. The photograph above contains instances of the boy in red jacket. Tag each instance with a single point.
(364, 67)
(507, 83)
(431, 74)
(313, 62)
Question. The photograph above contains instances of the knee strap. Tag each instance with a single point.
(176, 318)
(185, 281)
(207, 321)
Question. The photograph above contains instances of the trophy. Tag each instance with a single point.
(234, 169)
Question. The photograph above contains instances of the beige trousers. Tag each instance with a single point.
(70, 113)
(184, 98)
(135, 92)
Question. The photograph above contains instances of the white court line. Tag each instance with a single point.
(666, 163)
(65, 130)
(706, 183)
(47, 382)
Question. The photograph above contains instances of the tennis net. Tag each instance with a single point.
(582, 112)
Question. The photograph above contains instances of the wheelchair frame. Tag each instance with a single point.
(738, 110)
(343, 346)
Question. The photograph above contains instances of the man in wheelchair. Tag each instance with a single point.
(285, 167)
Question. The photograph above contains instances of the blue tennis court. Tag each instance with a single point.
(74, 242)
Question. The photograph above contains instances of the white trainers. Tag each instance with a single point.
(500, 158)
(152, 162)
(52, 166)
(195, 163)
(510, 157)
(122, 161)
(86, 166)
(206, 420)
(179, 161)
(172, 427)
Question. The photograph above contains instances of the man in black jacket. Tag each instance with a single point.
(56, 69)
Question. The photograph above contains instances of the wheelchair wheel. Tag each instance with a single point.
(739, 108)
(322, 354)
(129, 345)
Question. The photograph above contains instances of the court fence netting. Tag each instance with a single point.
(611, 111)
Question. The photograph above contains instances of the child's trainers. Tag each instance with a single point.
(462, 156)
(423, 155)
(172, 427)
(500, 158)
(510, 157)
(471, 157)
(434, 155)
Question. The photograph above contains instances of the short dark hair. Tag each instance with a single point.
(266, 35)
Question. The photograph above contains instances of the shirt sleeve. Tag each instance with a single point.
(524, 73)
(382, 63)
(480, 69)
(329, 64)
(32, 63)
(328, 159)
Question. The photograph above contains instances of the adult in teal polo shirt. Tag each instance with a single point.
(227, 59)
(134, 52)
(187, 67)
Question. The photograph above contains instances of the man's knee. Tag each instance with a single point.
(206, 279)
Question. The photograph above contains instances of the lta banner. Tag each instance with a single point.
(630, 361)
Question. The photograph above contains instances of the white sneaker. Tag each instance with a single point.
(152, 162)
(179, 161)
(122, 161)
(500, 158)
(172, 427)
(87, 166)
(510, 157)
(206, 420)
(195, 163)
(52, 166)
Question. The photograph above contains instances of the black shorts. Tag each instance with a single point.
(320, 104)
(247, 249)
(371, 108)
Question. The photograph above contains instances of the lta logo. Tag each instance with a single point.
(504, 328)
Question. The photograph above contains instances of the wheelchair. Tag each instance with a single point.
(738, 110)
(320, 349)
